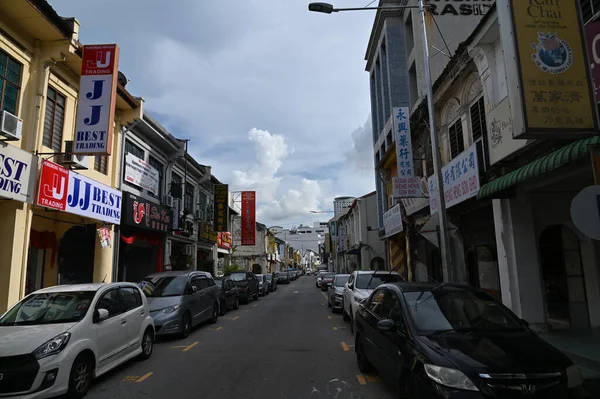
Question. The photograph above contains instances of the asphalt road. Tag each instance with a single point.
(287, 345)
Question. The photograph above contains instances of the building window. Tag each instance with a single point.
(175, 189)
(10, 82)
(203, 205)
(589, 8)
(478, 123)
(136, 151)
(457, 143)
(54, 120)
(189, 199)
(101, 164)
(156, 164)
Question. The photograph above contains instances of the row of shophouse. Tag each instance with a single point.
(147, 207)
(508, 198)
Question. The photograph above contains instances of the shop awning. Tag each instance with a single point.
(547, 163)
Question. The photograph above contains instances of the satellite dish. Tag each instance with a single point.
(122, 79)
(585, 211)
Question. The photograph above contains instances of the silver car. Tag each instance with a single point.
(263, 284)
(335, 292)
(180, 300)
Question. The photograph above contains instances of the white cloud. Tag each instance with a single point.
(360, 157)
(293, 204)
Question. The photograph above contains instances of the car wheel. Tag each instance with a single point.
(147, 344)
(186, 325)
(361, 359)
(223, 308)
(215, 313)
(80, 378)
(237, 303)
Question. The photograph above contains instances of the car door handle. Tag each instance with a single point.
(142, 313)
(123, 322)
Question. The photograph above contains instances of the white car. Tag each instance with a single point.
(56, 340)
(360, 285)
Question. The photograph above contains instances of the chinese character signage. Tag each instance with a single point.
(146, 215)
(96, 100)
(221, 207)
(392, 221)
(556, 95)
(500, 133)
(405, 184)
(140, 173)
(206, 232)
(224, 240)
(592, 35)
(460, 178)
(18, 171)
(248, 218)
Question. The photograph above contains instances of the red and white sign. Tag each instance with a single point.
(224, 240)
(249, 218)
(54, 186)
(97, 96)
(407, 187)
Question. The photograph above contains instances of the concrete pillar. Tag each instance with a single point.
(14, 243)
(518, 262)
(103, 259)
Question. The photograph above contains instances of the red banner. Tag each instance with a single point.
(248, 217)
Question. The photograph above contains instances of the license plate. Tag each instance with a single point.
(1, 376)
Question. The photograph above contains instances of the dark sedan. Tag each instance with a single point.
(453, 341)
(283, 278)
(229, 296)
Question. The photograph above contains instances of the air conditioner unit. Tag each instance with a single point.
(74, 160)
(11, 126)
(168, 200)
(199, 214)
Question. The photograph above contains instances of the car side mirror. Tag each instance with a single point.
(386, 325)
(100, 315)
(350, 286)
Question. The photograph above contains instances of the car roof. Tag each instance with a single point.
(421, 286)
(82, 287)
(376, 272)
(178, 273)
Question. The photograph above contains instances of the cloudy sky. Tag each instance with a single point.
(273, 97)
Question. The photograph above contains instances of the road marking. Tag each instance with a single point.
(329, 317)
(373, 378)
(255, 306)
(137, 378)
(361, 379)
(346, 347)
(338, 328)
(296, 292)
(186, 348)
(232, 318)
(216, 329)
(144, 377)
(324, 294)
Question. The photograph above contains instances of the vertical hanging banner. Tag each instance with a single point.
(96, 100)
(221, 207)
(405, 185)
(248, 217)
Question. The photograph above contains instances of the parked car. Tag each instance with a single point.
(320, 277)
(56, 340)
(283, 278)
(180, 300)
(335, 292)
(360, 285)
(263, 284)
(229, 295)
(272, 282)
(441, 341)
(247, 284)
(326, 278)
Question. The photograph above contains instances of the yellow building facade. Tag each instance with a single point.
(40, 63)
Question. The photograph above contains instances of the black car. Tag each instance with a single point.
(453, 341)
(247, 284)
(272, 282)
(283, 278)
(229, 296)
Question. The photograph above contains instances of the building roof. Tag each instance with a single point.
(63, 25)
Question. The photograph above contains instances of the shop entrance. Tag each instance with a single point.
(76, 255)
(563, 279)
(138, 260)
(256, 268)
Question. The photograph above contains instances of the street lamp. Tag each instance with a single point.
(321, 211)
(327, 8)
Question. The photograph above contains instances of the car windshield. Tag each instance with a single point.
(365, 282)
(269, 278)
(164, 286)
(238, 276)
(458, 310)
(50, 308)
(218, 282)
(340, 281)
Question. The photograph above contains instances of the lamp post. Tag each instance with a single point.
(327, 8)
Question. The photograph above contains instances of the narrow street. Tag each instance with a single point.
(287, 345)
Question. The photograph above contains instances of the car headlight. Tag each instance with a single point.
(171, 309)
(574, 378)
(53, 346)
(451, 378)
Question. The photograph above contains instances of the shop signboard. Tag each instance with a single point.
(96, 100)
(147, 215)
(71, 192)
(248, 218)
(206, 232)
(549, 84)
(460, 177)
(413, 205)
(392, 221)
(141, 174)
(500, 133)
(405, 184)
(592, 36)
(224, 240)
(17, 173)
(221, 207)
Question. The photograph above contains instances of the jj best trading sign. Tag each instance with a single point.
(96, 100)
(556, 96)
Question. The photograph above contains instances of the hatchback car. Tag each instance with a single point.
(180, 300)
(263, 284)
(247, 284)
(56, 340)
(453, 341)
(283, 278)
(335, 298)
(229, 296)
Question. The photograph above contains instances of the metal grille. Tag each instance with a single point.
(457, 143)
(589, 8)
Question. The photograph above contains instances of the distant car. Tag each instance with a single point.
(56, 340)
(263, 284)
(229, 296)
(283, 278)
(335, 294)
(320, 277)
(180, 300)
(247, 284)
(326, 279)
(272, 282)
